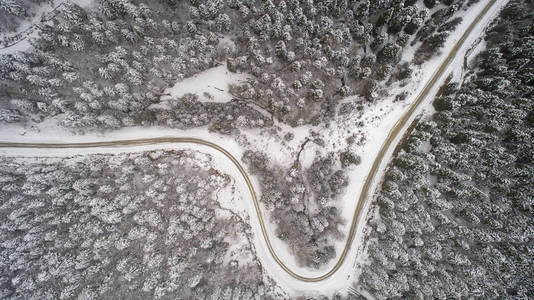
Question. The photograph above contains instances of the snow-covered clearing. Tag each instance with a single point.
(378, 120)
(211, 85)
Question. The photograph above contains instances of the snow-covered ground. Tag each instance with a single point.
(378, 120)
(211, 85)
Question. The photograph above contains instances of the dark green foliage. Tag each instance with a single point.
(388, 54)
(411, 27)
(429, 3)
(113, 8)
(442, 15)
(436, 41)
(369, 89)
(337, 181)
(405, 72)
(513, 12)
(430, 46)
(385, 17)
(435, 31)
(451, 25)
(348, 158)
(402, 40)
(443, 103)
(529, 120)
(289, 136)
(460, 138)
(383, 71)
(426, 31)
(449, 88)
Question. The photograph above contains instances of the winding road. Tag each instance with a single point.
(394, 135)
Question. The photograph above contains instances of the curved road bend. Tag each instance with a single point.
(393, 134)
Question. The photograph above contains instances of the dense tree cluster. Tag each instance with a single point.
(107, 67)
(104, 67)
(456, 209)
(302, 204)
(187, 112)
(305, 55)
(13, 12)
(437, 28)
(142, 225)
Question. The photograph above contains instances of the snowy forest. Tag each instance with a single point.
(451, 218)
(108, 67)
(105, 67)
(113, 226)
(456, 212)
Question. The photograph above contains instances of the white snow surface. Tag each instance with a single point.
(210, 85)
(378, 120)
